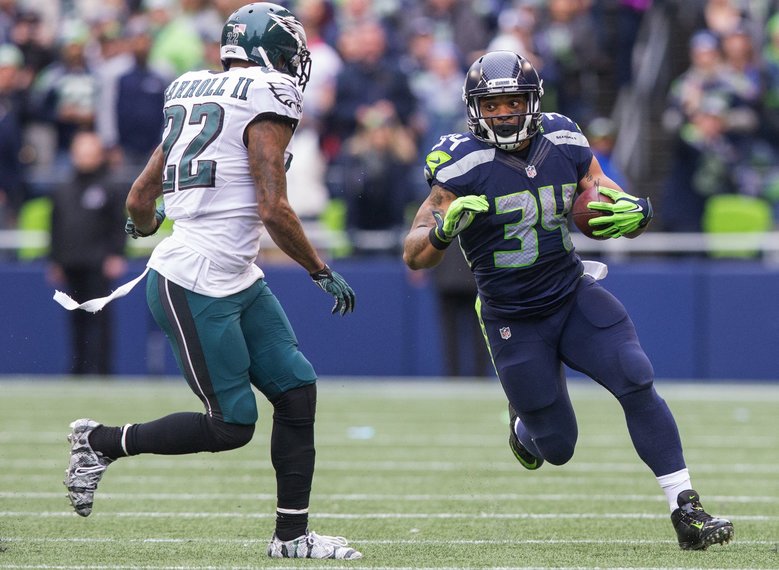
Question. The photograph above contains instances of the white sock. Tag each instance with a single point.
(673, 484)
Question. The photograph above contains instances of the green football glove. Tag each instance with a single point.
(459, 216)
(159, 217)
(626, 215)
(331, 282)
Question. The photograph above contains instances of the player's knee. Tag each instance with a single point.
(636, 365)
(296, 407)
(641, 400)
(223, 436)
(555, 448)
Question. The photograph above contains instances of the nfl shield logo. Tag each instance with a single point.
(531, 171)
(505, 333)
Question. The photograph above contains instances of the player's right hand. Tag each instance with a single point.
(460, 215)
(159, 217)
(624, 216)
(332, 282)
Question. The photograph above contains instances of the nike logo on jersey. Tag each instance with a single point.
(436, 159)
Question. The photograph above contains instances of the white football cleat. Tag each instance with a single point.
(313, 545)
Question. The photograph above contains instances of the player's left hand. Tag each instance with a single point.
(332, 282)
(625, 215)
(159, 217)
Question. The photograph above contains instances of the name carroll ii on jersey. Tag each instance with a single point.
(190, 85)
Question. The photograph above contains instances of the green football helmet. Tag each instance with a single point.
(270, 36)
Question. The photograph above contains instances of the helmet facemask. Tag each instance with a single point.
(296, 63)
(507, 135)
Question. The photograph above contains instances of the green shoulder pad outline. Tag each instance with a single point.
(436, 159)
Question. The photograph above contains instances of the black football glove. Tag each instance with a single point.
(132, 231)
(331, 282)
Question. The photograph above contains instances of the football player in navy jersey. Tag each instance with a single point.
(504, 189)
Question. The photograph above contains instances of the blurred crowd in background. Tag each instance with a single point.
(386, 83)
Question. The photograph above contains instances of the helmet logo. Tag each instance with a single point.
(502, 83)
(237, 31)
(291, 25)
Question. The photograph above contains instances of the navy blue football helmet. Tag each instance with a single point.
(502, 73)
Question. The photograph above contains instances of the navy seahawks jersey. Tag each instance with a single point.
(520, 252)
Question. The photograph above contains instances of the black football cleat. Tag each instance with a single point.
(527, 459)
(695, 528)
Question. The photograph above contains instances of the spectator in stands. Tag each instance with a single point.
(602, 132)
(140, 94)
(326, 62)
(65, 93)
(744, 77)
(373, 168)
(770, 102)
(722, 16)
(705, 161)
(29, 36)
(178, 42)
(438, 90)
(570, 59)
(516, 30)
(369, 78)
(319, 20)
(308, 193)
(87, 248)
(11, 124)
(455, 21)
(703, 77)
(108, 56)
(8, 15)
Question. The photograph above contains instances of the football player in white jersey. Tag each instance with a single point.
(221, 171)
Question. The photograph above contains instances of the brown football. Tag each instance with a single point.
(581, 214)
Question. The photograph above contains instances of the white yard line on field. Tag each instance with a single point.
(363, 516)
(385, 467)
(361, 542)
(484, 497)
(330, 567)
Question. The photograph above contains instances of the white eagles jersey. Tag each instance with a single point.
(207, 188)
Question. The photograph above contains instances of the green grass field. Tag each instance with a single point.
(415, 474)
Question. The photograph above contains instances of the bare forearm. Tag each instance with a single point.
(287, 233)
(141, 200)
(418, 252)
(266, 163)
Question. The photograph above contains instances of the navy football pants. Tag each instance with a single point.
(591, 333)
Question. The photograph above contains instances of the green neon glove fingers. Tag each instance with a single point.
(461, 213)
(624, 216)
